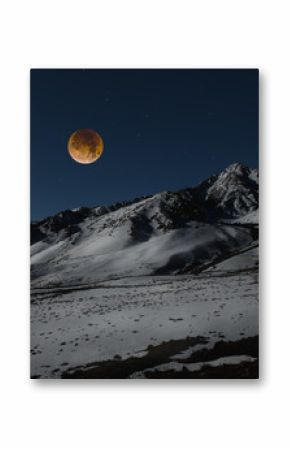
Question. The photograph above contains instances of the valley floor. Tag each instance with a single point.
(185, 326)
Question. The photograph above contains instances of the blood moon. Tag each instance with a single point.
(85, 146)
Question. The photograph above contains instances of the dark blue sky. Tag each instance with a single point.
(162, 130)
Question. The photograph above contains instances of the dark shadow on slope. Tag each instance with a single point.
(141, 228)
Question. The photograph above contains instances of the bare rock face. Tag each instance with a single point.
(234, 192)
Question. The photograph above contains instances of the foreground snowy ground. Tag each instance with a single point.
(78, 331)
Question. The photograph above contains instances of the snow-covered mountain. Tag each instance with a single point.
(164, 233)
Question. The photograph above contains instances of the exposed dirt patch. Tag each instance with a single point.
(162, 353)
(244, 370)
(122, 369)
(245, 346)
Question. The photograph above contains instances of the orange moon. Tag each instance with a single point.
(85, 146)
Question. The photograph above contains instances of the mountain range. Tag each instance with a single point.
(167, 233)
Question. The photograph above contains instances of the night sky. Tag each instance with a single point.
(162, 130)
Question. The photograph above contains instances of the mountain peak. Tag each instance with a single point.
(234, 191)
(237, 167)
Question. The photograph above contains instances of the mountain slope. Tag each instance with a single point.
(163, 233)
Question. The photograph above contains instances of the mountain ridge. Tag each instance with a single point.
(76, 215)
(164, 232)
